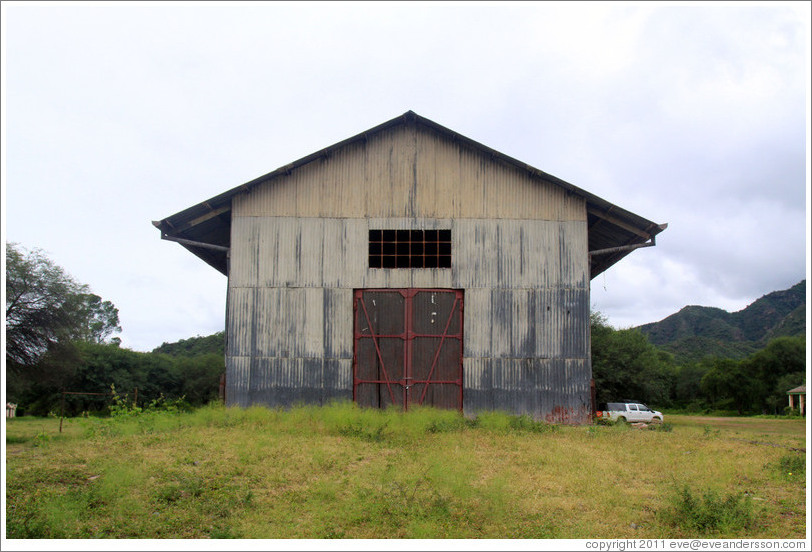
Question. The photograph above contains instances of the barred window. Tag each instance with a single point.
(410, 248)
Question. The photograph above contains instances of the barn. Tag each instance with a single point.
(409, 265)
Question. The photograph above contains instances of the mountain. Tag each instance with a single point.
(695, 332)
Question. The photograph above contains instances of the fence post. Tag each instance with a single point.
(62, 411)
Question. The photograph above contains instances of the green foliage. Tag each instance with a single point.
(710, 513)
(95, 319)
(45, 306)
(729, 382)
(695, 348)
(195, 346)
(47, 314)
(757, 384)
(92, 367)
(38, 305)
(626, 365)
(793, 325)
(57, 337)
(42, 439)
(778, 368)
(688, 383)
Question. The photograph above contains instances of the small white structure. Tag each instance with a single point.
(800, 393)
(11, 410)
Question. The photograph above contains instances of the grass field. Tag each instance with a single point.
(343, 472)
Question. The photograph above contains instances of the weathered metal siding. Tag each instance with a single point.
(287, 345)
(519, 247)
(409, 173)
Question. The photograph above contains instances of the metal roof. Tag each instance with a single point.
(800, 390)
(204, 229)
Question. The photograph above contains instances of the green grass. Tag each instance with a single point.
(344, 472)
(709, 513)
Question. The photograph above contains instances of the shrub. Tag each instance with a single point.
(710, 512)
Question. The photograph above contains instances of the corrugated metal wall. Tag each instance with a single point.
(519, 247)
(407, 172)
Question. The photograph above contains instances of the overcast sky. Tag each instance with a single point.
(115, 115)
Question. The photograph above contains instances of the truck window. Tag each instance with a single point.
(633, 407)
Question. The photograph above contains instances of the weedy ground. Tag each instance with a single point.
(343, 472)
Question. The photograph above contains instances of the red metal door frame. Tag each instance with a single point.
(407, 382)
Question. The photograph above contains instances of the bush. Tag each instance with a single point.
(792, 412)
(709, 513)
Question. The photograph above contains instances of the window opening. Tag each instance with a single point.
(410, 248)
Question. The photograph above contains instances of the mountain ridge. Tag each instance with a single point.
(696, 331)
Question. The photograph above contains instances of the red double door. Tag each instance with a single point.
(408, 348)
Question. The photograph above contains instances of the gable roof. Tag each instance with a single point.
(204, 229)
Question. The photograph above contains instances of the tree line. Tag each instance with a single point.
(625, 365)
(60, 337)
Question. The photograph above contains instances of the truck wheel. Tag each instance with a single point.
(656, 420)
(621, 419)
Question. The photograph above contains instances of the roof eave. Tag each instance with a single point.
(631, 228)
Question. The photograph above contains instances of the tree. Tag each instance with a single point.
(626, 366)
(39, 298)
(688, 384)
(95, 319)
(45, 307)
(781, 357)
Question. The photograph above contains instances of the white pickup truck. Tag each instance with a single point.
(628, 411)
